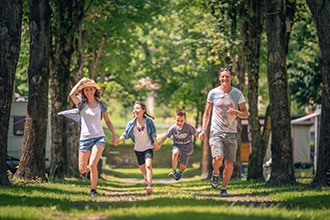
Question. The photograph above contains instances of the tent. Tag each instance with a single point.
(316, 127)
(301, 129)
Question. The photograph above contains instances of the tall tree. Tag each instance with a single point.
(321, 14)
(32, 161)
(282, 159)
(255, 23)
(68, 17)
(10, 38)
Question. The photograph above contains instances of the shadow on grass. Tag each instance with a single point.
(184, 197)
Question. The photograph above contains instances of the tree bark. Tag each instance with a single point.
(10, 39)
(240, 73)
(64, 151)
(321, 14)
(32, 162)
(282, 158)
(252, 52)
(206, 160)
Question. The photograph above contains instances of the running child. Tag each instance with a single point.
(183, 145)
(142, 131)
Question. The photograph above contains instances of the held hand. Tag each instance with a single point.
(115, 142)
(201, 136)
(156, 146)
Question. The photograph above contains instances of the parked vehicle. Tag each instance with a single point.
(16, 133)
(12, 163)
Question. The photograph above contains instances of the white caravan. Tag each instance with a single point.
(16, 131)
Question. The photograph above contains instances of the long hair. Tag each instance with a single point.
(97, 95)
(143, 106)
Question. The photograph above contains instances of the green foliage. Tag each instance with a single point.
(178, 47)
(21, 77)
(305, 80)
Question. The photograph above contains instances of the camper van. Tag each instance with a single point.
(16, 131)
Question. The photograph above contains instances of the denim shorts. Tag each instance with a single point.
(86, 145)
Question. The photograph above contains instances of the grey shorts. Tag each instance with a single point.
(183, 157)
(224, 144)
(87, 144)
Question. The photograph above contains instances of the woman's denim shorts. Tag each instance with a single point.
(87, 144)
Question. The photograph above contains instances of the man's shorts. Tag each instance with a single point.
(224, 144)
(142, 156)
(87, 144)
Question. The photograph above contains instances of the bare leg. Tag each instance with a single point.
(143, 169)
(182, 168)
(148, 169)
(227, 172)
(83, 161)
(175, 155)
(95, 157)
(217, 163)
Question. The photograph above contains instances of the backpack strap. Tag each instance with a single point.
(103, 105)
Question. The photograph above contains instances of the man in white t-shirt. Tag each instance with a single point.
(226, 103)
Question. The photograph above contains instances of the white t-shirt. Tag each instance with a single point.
(221, 121)
(91, 126)
(142, 140)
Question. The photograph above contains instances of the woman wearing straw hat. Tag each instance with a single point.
(86, 95)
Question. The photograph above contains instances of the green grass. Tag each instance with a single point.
(188, 199)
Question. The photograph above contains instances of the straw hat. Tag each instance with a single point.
(91, 83)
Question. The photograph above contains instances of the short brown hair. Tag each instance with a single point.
(181, 112)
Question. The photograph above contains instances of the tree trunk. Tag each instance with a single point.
(282, 158)
(32, 162)
(321, 13)
(69, 15)
(240, 73)
(10, 39)
(252, 51)
(206, 160)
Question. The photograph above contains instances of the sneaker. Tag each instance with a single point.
(145, 181)
(173, 174)
(178, 175)
(214, 181)
(93, 193)
(149, 190)
(223, 192)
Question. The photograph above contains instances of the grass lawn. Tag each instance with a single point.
(122, 196)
